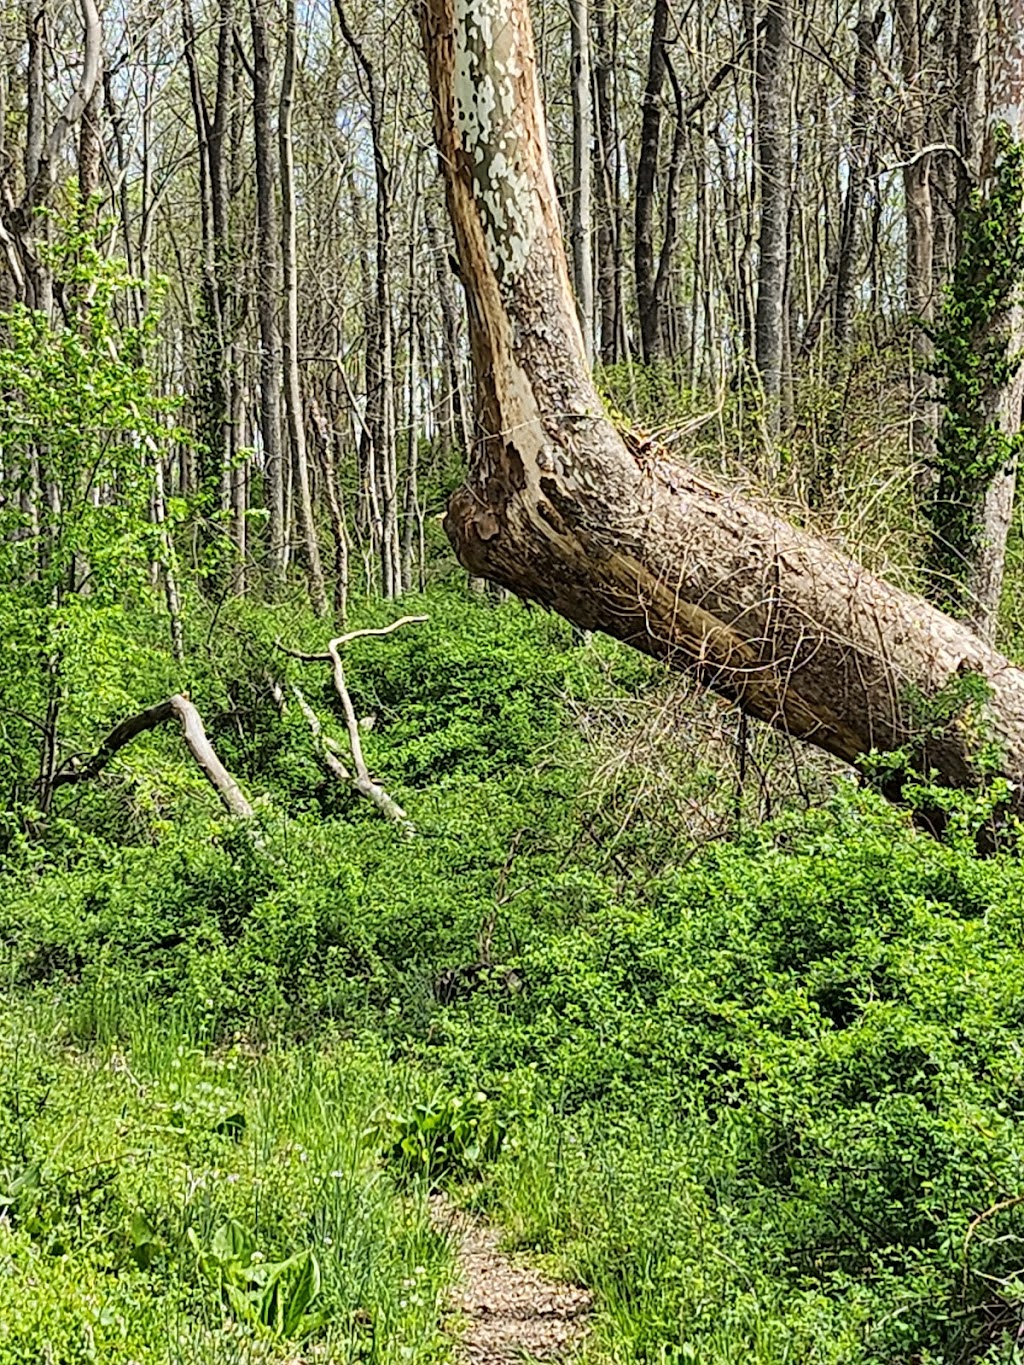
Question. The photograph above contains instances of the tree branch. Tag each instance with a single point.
(341, 640)
(362, 780)
(92, 58)
(180, 708)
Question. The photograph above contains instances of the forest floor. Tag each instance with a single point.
(511, 1311)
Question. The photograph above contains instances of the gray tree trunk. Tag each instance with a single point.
(773, 173)
(646, 181)
(267, 288)
(582, 136)
(293, 383)
(1003, 402)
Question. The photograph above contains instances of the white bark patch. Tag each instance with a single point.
(1007, 100)
(488, 66)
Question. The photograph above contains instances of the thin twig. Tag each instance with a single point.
(976, 1223)
(340, 640)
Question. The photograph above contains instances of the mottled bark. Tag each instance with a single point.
(1003, 402)
(603, 527)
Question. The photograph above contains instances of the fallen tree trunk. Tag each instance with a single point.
(179, 708)
(606, 529)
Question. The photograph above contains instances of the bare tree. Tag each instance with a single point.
(290, 350)
(267, 288)
(607, 150)
(43, 150)
(979, 344)
(646, 181)
(379, 431)
(773, 166)
(582, 136)
(869, 21)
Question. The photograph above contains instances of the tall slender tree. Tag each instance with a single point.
(582, 165)
(773, 175)
(290, 352)
(267, 290)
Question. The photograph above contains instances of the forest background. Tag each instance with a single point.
(477, 900)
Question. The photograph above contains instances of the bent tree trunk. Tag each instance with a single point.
(565, 509)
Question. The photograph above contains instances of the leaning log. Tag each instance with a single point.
(608, 530)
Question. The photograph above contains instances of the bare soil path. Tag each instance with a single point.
(512, 1312)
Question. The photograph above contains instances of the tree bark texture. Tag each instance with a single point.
(455, 406)
(608, 275)
(867, 29)
(919, 220)
(1003, 403)
(292, 378)
(380, 357)
(602, 526)
(582, 135)
(267, 290)
(646, 179)
(20, 224)
(773, 173)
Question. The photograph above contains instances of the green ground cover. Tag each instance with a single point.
(761, 1091)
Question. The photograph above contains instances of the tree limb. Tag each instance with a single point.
(341, 640)
(92, 57)
(179, 708)
(361, 780)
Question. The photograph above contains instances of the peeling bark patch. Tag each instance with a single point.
(570, 511)
(515, 467)
(488, 66)
(550, 515)
(487, 525)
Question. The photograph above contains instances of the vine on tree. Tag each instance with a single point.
(974, 361)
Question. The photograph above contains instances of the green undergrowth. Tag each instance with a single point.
(166, 1201)
(760, 1088)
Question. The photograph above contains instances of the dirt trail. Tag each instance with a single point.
(513, 1313)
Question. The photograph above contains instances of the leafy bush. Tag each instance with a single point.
(447, 1135)
(806, 1041)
